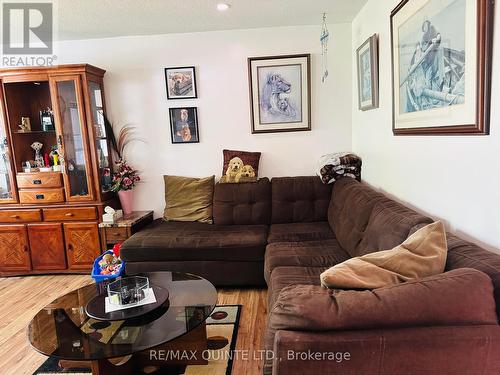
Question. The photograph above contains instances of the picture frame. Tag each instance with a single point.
(184, 125)
(47, 120)
(280, 93)
(181, 83)
(367, 58)
(441, 66)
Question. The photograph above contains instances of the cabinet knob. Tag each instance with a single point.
(70, 247)
(25, 248)
(70, 214)
(14, 216)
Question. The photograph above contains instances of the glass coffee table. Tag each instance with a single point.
(158, 339)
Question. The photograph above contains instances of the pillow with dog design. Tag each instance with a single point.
(240, 166)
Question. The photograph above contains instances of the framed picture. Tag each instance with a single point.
(367, 56)
(280, 93)
(441, 66)
(181, 82)
(184, 125)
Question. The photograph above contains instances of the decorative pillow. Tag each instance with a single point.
(188, 199)
(422, 254)
(240, 166)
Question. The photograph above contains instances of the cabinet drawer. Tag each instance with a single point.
(116, 234)
(69, 214)
(39, 180)
(41, 195)
(18, 216)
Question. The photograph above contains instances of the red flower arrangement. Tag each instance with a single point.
(125, 177)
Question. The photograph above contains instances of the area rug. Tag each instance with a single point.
(222, 330)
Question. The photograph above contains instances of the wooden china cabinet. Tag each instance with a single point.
(49, 216)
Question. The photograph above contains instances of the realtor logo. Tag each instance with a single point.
(27, 28)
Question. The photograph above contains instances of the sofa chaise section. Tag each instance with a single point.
(444, 324)
(229, 252)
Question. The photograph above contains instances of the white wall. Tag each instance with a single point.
(456, 178)
(135, 94)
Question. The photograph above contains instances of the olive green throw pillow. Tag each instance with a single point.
(188, 199)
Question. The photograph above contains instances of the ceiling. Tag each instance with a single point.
(88, 19)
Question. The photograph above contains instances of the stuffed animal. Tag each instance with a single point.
(39, 162)
(108, 259)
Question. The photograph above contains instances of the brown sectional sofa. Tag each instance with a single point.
(304, 317)
(291, 229)
(246, 218)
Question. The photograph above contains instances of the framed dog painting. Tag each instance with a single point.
(441, 66)
(181, 83)
(367, 56)
(280, 93)
(184, 125)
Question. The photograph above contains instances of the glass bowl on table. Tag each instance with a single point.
(128, 291)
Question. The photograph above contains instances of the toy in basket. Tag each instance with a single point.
(108, 265)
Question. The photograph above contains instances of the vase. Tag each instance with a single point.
(126, 200)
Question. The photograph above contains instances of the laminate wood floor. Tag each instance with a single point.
(22, 297)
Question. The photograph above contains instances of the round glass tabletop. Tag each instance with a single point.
(62, 329)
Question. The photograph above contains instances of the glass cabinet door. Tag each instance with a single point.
(7, 191)
(72, 138)
(100, 136)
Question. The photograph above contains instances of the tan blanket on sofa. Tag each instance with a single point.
(422, 254)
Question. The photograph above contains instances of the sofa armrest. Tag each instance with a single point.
(459, 297)
(424, 350)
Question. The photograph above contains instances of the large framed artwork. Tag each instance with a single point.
(181, 82)
(367, 56)
(441, 66)
(280, 93)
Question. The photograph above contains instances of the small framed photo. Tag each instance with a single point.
(280, 88)
(184, 125)
(181, 82)
(367, 56)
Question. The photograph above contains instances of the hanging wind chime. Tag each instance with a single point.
(325, 36)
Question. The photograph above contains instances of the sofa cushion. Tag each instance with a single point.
(390, 224)
(349, 211)
(459, 297)
(299, 199)
(170, 241)
(188, 199)
(285, 276)
(420, 255)
(294, 232)
(465, 254)
(322, 253)
(242, 204)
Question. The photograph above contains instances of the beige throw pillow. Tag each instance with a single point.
(422, 254)
(188, 199)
